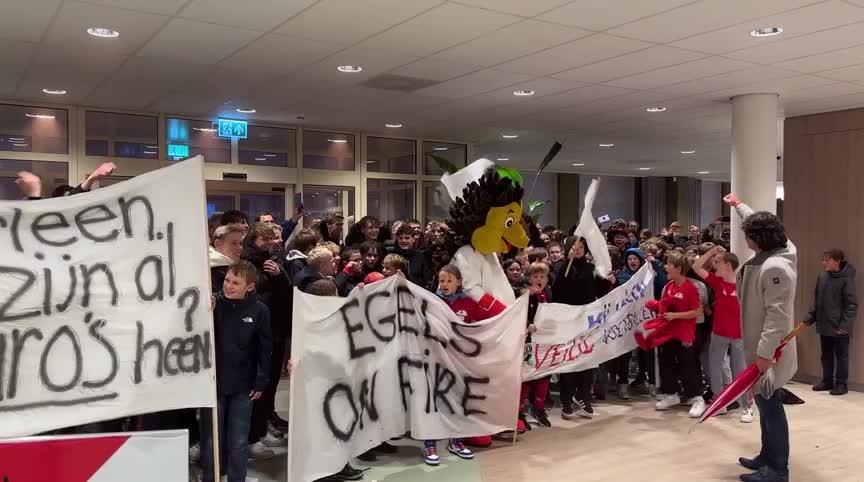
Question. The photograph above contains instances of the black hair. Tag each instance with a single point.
(765, 230)
(233, 216)
(62, 190)
(837, 255)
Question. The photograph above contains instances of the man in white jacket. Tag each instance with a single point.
(766, 291)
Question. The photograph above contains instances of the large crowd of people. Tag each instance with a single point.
(257, 261)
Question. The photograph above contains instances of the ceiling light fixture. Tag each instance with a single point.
(509, 136)
(655, 109)
(606, 145)
(578, 164)
(337, 141)
(523, 93)
(39, 116)
(103, 32)
(688, 152)
(349, 69)
(54, 91)
(150, 152)
(16, 139)
(704, 172)
(204, 129)
(766, 32)
(246, 111)
(439, 148)
(260, 158)
(393, 126)
(19, 145)
(503, 158)
(644, 168)
(269, 155)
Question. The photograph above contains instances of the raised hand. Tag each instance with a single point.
(732, 199)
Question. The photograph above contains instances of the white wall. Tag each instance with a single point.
(546, 190)
(711, 202)
(616, 196)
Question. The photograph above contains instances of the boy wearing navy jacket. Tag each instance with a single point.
(243, 350)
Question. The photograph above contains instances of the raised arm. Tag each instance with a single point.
(103, 170)
(699, 265)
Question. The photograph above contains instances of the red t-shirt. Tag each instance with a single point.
(678, 299)
(727, 311)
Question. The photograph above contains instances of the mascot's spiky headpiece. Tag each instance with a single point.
(468, 211)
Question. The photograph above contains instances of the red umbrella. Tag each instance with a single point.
(744, 381)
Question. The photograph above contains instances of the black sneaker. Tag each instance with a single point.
(840, 389)
(368, 456)
(734, 406)
(567, 412)
(823, 387)
(524, 421)
(347, 473)
(279, 422)
(583, 409)
(755, 463)
(386, 448)
(541, 417)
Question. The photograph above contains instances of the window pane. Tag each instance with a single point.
(121, 135)
(189, 138)
(390, 199)
(218, 202)
(255, 204)
(53, 174)
(396, 156)
(319, 201)
(455, 153)
(268, 146)
(436, 201)
(22, 131)
(327, 150)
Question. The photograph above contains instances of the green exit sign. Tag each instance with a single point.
(178, 150)
(233, 128)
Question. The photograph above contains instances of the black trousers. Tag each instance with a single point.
(646, 367)
(835, 356)
(265, 405)
(678, 364)
(621, 366)
(576, 384)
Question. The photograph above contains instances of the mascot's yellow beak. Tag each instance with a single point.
(501, 232)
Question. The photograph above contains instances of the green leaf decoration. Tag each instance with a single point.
(532, 205)
(443, 164)
(512, 174)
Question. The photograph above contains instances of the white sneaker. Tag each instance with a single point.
(697, 407)
(624, 391)
(259, 451)
(722, 411)
(747, 416)
(275, 431)
(666, 402)
(271, 440)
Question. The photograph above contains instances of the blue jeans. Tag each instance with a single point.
(234, 418)
(775, 433)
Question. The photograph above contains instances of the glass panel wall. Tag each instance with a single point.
(189, 138)
(52, 174)
(268, 146)
(393, 156)
(456, 154)
(328, 150)
(109, 134)
(390, 199)
(33, 129)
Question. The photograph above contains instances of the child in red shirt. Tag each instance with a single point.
(680, 306)
(538, 278)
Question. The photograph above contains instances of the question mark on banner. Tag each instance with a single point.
(181, 303)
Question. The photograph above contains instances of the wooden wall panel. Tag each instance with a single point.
(823, 208)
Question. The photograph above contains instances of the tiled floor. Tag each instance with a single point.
(630, 441)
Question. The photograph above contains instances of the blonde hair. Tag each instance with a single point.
(537, 268)
(317, 255)
(333, 247)
(395, 262)
(223, 231)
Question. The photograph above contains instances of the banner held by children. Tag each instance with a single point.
(104, 308)
(394, 358)
(575, 338)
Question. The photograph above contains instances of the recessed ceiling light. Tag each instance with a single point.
(246, 111)
(688, 152)
(204, 129)
(644, 168)
(509, 136)
(54, 91)
(766, 32)
(655, 109)
(349, 69)
(393, 126)
(606, 145)
(578, 164)
(16, 139)
(39, 116)
(704, 172)
(19, 145)
(503, 158)
(439, 148)
(337, 141)
(269, 155)
(523, 93)
(103, 32)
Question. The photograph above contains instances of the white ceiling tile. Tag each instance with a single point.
(478, 82)
(434, 69)
(851, 74)
(702, 16)
(584, 95)
(595, 15)
(516, 7)
(186, 103)
(150, 72)
(338, 21)
(73, 20)
(440, 28)
(630, 64)
(61, 63)
(15, 56)
(162, 7)
(679, 73)
(8, 82)
(833, 89)
(811, 44)
(201, 43)
(374, 62)
(783, 86)
(261, 15)
(511, 42)
(123, 96)
(828, 61)
(26, 19)
(77, 88)
(278, 54)
(573, 54)
(742, 77)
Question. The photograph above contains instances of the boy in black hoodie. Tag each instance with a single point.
(243, 350)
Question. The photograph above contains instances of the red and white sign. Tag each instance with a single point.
(127, 457)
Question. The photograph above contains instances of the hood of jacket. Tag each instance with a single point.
(638, 252)
(847, 272)
(294, 255)
(218, 259)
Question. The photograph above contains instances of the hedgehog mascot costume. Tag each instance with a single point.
(484, 221)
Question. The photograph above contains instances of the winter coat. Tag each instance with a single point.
(306, 278)
(766, 291)
(580, 286)
(835, 303)
(243, 344)
(295, 261)
(273, 290)
(219, 264)
(419, 266)
(625, 274)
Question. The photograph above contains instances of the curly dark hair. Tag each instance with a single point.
(765, 230)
